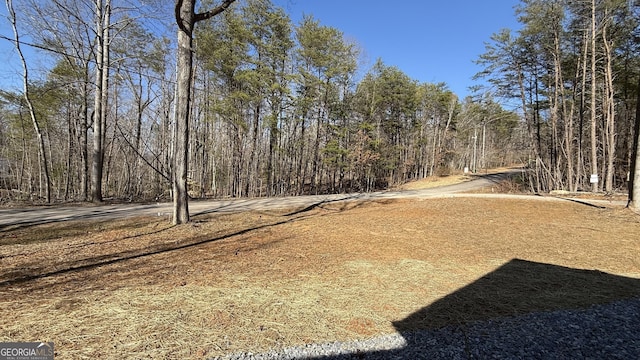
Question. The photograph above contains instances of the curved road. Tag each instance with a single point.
(11, 218)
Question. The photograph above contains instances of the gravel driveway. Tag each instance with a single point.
(610, 331)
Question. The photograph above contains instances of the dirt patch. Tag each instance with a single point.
(252, 281)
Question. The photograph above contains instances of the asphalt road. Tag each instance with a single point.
(11, 218)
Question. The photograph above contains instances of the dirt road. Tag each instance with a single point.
(19, 217)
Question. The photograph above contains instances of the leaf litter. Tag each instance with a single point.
(254, 281)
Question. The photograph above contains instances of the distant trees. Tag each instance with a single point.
(272, 108)
(29, 103)
(78, 94)
(67, 29)
(572, 68)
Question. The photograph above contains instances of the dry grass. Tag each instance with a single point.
(435, 181)
(238, 282)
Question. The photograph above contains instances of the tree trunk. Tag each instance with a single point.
(302, 166)
(558, 112)
(581, 120)
(84, 138)
(186, 18)
(273, 142)
(594, 138)
(103, 14)
(610, 113)
(634, 186)
(69, 157)
(252, 184)
(183, 98)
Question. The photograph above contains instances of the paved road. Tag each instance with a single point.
(19, 217)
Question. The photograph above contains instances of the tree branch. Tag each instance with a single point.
(179, 19)
(158, 171)
(213, 12)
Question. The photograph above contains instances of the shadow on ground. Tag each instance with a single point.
(80, 268)
(525, 309)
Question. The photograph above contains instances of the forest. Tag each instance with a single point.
(279, 108)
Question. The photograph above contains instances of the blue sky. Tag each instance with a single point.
(429, 40)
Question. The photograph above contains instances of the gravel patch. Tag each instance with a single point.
(610, 331)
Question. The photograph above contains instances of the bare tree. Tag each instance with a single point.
(609, 110)
(27, 99)
(103, 23)
(186, 18)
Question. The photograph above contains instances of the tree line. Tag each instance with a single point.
(278, 108)
(574, 71)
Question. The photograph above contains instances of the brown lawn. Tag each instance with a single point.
(139, 288)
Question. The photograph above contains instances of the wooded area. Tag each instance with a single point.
(278, 108)
(574, 69)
